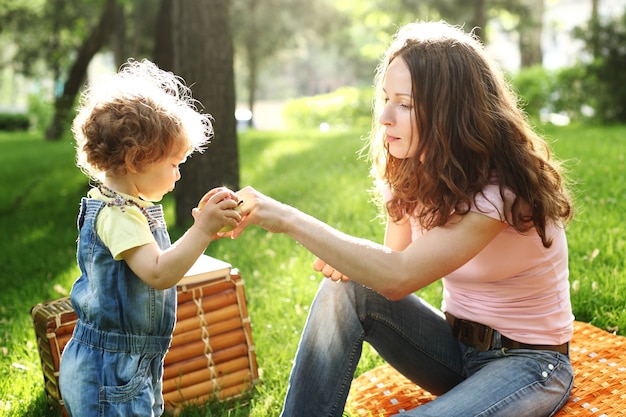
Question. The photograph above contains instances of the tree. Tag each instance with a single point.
(43, 31)
(133, 35)
(605, 78)
(163, 54)
(203, 56)
(76, 77)
(263, 28)
(594, 23)
(45, 39)
(479, 18)
(527, 16)
(57, 40)
(530, 28)
(471, 14)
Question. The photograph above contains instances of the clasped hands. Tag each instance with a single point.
(252, 207)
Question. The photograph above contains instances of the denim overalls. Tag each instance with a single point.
(113, 365)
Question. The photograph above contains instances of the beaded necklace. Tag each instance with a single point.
(121, 202)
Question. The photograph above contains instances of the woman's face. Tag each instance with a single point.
(398, 116)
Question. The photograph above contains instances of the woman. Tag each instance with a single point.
(472, 197)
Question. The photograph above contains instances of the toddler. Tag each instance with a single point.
(132, 133)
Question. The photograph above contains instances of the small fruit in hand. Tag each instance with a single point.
(206, 198)
(228, 228)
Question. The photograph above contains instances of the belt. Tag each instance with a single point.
(480, 336)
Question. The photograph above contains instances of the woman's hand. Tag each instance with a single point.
(259, 209)
(328, 271)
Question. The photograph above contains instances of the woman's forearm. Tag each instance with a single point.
(366, 262)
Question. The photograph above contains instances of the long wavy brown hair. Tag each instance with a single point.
(470, 131)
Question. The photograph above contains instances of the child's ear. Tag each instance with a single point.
(131, 168)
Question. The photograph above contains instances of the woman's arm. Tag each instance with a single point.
(397, 237)
(392, 271)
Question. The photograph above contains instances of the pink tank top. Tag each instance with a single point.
(515, 284)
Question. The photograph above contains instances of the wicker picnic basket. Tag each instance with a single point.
(598, 358)
(212, 352)
(54, 323)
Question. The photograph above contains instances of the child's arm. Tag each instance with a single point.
(163, 269)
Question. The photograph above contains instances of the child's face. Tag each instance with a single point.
(398, 116)
(159, 178)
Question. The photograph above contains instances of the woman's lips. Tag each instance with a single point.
(391, 139)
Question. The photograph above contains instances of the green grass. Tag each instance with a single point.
(596, 158)
(319, 173)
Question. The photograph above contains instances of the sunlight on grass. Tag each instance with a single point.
(318, 173)
(597, 237)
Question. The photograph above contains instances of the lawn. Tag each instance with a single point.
(319, 173)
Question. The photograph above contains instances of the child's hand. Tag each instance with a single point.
(328, 271)
(211, 193)
(218, 212)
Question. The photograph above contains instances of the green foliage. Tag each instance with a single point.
(535, 86)
(346, 107)
(606, 42)
(44, 32)
(39, 196)
(569, 91)
(14, 121)
(40, 111)
(574, 93)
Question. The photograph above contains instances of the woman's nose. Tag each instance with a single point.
(385, 118)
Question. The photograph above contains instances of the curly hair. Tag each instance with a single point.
(139, 116)
(471, 131)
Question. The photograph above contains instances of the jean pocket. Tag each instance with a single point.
(547, 364)
(133, 382)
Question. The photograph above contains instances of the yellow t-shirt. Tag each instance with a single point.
(122, 230)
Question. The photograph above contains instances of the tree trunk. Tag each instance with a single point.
(203, 56)
(595, 26)
(164, 42)
(63, 104)
(530, 29)
(479, 20)
(118, 38)
(252, 55)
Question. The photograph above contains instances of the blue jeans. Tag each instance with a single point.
(415, 338)
(112, 375)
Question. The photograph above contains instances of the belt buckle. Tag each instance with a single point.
(473, 334)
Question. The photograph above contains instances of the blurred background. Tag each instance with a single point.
(283, 49)
(294, 64)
